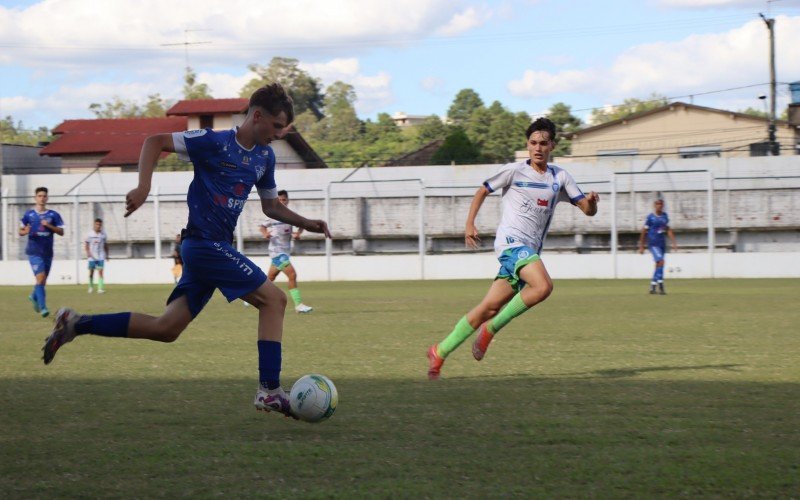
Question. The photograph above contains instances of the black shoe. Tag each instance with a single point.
(661, 290)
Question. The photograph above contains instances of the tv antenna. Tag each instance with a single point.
(186, 42)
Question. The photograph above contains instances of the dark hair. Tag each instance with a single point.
(283, 192)
(41, 188)
(273, 99)
(543, 125)
(99, 220)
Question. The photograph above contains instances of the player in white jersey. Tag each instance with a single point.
(530, 189)
(280, 237)
(96, 247)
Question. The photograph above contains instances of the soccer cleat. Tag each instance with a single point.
(63, 332)
(278, 401)
(661, 289)
(435, 363)
(34, 302)
(90, 290)
(101, 290)
(482, 342)
(45, 312)
(302, 309)
(652, 289)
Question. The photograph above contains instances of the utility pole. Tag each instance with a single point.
(773, 145)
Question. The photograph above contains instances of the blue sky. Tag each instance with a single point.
(59, 56)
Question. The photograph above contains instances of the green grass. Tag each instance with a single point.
(602, 391)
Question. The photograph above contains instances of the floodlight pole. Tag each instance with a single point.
(773, 145)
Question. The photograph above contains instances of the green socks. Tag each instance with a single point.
(100, 283)
(460, 333)
(514, 308)
(295, 293)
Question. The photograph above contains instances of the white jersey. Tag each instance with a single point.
(529, 200)
(280, 237)
(97, 244)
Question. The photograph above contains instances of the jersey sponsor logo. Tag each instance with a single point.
(538, 185)
(227, 164)
(238, 189)
(235, 258)
(194, 133)
(541, 202)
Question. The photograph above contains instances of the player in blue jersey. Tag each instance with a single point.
(227, 165)
(39, 225)
(655, 227)
(530, 191)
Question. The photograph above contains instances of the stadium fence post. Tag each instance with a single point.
(421, 229)
(157, 223)
(4, 223)
(76, 233)
(711, 242)
(614, 223)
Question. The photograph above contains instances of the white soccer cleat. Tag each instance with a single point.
(276, 400)
(63, 332)
(302, 309)
(101, 290)
(90, 290)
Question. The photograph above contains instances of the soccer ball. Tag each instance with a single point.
(313, 398)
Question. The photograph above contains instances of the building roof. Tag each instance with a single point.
(668, 107)
(120, 139)
(209, 107)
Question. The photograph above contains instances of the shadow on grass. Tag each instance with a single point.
(521, 436)
(634, 372)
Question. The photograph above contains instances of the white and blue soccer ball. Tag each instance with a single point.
(313, 398)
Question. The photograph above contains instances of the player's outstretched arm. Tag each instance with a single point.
(274, 209)
(471, 237)
(588, 205)
(151, 150)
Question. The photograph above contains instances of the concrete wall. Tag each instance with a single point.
(463, 266)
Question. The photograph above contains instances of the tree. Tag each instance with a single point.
(628, 107)
(432, 129)
(464, 104)
(566, 122)
(384, 129)
(304, 89)
(505, 133)
(155, 107)
(192, 89)
(457, 148)
(16, 133)
(341, 122)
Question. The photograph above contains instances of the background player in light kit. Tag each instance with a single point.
(280, 237)
(96, 247)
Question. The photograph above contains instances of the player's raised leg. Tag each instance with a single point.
(271, 304)
(499, 293)
(538, 286)
(165, 328)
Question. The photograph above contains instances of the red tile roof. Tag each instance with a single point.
(208, 107)
(121, 138)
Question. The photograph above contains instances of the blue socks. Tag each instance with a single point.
(106, 325)
(40, 296)
(658, 276)
(269, 364)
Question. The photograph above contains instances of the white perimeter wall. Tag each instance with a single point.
(458, 266)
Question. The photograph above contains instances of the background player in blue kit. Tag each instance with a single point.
(227, 164)
(655, 227)
(40, 224)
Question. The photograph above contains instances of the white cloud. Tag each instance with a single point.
(696, 64)
(701, 4)
(464, 21)
(372, 91)
(87, 32)
(432, 84)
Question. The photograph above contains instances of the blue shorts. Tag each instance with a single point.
(281, 261)
(40, 264)
(208, 265)
(658, 252)
(96, 264)
(511, 261)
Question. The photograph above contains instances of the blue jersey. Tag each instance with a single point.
(224, 174)
(657, 226)
(40, 239)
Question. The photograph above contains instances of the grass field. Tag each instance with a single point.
(602, 391)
